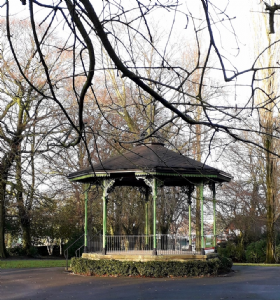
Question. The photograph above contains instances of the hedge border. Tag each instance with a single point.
(154, 269)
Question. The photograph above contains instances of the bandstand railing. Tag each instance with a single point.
(167, 244)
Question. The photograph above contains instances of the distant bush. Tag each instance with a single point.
(277, 254)
(19, 251)
(16, 250)
(256, 252)
(233, 251)
(151, 268)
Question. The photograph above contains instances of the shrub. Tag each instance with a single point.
(233, 251)
(255, 252)
(151, 268)
(18, 250)
(277, 254)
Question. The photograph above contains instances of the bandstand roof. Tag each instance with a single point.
(150, 160)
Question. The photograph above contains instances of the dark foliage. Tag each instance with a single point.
(151, 268)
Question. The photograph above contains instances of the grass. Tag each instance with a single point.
(31, 263)
(256, 264)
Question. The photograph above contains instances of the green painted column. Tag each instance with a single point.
(214, 215)
(190, 221)
(154, 217)
(190, 227)
(202, 228)
(104, 220)
(86, 219)
(147, 219)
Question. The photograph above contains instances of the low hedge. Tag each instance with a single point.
(151, 268)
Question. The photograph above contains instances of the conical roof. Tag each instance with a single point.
(150, 159)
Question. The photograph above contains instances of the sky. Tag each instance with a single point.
(239, 11)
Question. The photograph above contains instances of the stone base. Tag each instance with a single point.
(145, 257)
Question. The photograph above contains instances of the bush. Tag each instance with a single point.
(255, 252)
(18, 250)
(233, 251)
(151, 268)
(277, 254)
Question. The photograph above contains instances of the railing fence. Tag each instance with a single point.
(166, 244)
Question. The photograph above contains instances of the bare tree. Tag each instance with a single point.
(23, 108)
(93, 34)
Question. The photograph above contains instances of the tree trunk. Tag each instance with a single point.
(23, 211)
(270, 239)
(5, 166)
(198, 220)
(197, 148)
(3, 252)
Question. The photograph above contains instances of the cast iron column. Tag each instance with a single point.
(147, 218)
(154, 217)
(104, 221)
(202, 229)
(107, 185)
(190, 227)
(86, 219)
(152, 183)
(214, 215)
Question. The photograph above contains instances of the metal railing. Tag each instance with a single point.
(66, 252)
(79, 250)
(136, 244)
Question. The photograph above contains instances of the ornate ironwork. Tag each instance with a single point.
(212, 186)
(150, 182)
(108, 186)
(188, 190)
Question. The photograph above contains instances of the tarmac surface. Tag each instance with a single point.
(53, 283)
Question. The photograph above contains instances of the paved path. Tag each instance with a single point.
(53, 283)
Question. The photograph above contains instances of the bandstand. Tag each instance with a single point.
(148, 166)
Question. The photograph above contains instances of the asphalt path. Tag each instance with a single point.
(53, 283)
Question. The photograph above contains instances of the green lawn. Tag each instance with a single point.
(257, 265)
(32, 263)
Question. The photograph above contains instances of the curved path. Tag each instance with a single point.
(53, 283)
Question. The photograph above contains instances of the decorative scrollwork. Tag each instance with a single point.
(212, 187)
(108, 186)
(149, 182)
(188, 190)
